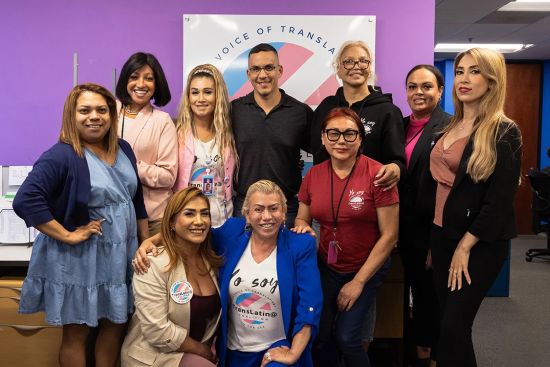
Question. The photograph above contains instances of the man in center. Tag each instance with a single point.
(270, 128)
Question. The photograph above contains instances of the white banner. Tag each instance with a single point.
(306, 45)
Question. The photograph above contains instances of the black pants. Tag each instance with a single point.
(458, 309)
(425, 311)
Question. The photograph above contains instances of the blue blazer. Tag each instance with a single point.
(58, 187)
(299, 280)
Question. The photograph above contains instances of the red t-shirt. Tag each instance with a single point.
(357, 229)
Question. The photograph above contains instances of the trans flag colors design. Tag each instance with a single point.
(293, 56)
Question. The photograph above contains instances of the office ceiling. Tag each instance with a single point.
(477, 21)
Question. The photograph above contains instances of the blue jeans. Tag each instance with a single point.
(292, 209)
(340, 332)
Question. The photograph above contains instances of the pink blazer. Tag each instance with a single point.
(152, 136)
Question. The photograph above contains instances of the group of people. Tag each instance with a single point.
(229, 272)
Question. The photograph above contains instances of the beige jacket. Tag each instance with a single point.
(154, 140)
(159, 325)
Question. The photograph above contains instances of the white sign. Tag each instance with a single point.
(306, 45)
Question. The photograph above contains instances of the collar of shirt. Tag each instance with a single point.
(285, 101)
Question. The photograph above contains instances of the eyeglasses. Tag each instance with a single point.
(350, 64)
(333, 135)
(257, 69)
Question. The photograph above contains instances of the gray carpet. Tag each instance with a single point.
(515, 331)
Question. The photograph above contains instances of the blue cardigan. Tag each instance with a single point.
(58, 187)
(299, 280)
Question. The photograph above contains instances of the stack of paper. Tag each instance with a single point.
(12, 228)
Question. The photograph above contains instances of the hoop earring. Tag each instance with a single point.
(247, 227)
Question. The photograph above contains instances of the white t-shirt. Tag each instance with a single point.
(207, 174)
(255, 319)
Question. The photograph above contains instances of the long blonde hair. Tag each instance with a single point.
(487, 125)
(222, 111)
(69, 133)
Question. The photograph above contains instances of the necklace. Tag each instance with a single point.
(208, 159)
(470, 122)
(129, 111)
(140, 131)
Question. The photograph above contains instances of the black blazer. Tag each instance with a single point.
(417, 187)
(486, 209)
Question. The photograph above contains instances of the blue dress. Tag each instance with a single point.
(80, 284)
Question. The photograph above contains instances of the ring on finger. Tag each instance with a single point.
(267, 356)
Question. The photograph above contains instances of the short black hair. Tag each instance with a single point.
(262, 47)
(435, 71)
(138, 60)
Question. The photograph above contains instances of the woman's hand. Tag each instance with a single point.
(141, 262)
(459, 266)
(388, 176)
(82, 233)
(282, 354)
(349, 294)
(207, 352)
(304, 229)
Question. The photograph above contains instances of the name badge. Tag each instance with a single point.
(181, 291)
(333, 247)
(208, 185)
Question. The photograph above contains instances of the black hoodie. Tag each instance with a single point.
(385, 138)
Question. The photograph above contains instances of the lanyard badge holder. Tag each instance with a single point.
(333, 249)
(333, 246)
(207, 179)
(208, 183)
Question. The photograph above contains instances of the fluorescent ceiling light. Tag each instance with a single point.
(527, 5)
(459, 47)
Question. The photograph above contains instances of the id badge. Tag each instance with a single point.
(208, 185)
(332, 252)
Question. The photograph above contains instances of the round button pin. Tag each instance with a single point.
(181, 291)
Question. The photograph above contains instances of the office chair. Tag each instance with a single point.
(540, 184)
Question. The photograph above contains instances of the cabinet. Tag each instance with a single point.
(25, 340)
(389, 302)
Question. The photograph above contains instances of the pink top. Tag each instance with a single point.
(153, 138)
(414, 130)
(444, 164)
